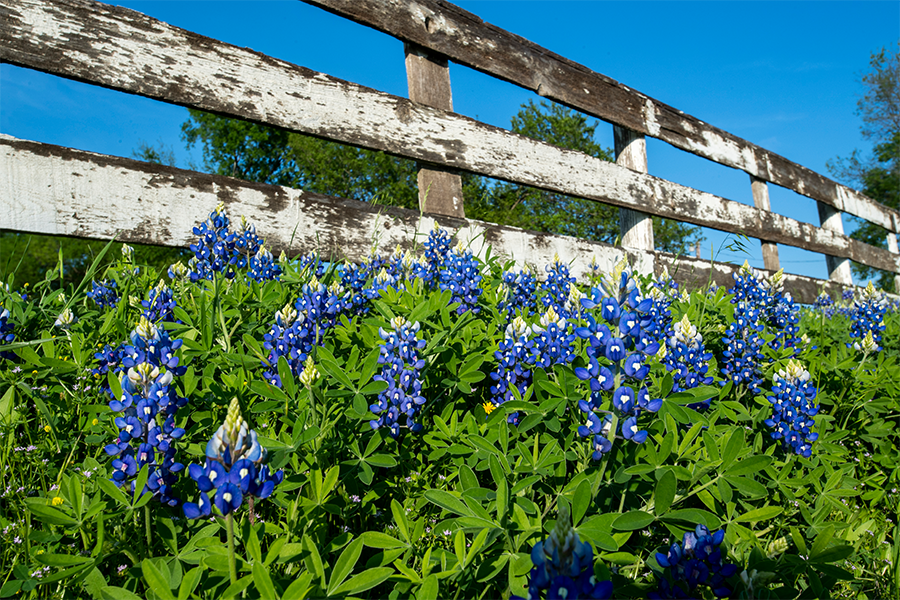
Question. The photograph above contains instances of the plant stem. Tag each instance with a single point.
(147, 528)
(232, 564)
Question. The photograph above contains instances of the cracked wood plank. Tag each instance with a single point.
(127, 51)
(466, 39)
(60, 191)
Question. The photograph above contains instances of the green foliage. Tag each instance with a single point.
(453, 511)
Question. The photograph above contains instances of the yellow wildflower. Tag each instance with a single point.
(57, 501)
(488, 407)
(47, 428)
(95, 422)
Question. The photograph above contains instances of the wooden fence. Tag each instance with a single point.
(48, 189)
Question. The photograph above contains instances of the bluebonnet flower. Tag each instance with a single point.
(552, 344)
(743, 355)
(299, 328)
(160, 304)
(437, 247)
(462, 276)
(698, 562)
(658, 326)
(513, 367)
(104, 293)
(557, 286)
(564, 566)
(685, 357)
(263, 266)
(355, 277)
(517, 293)
(400, 369)
(179, 272)
(311, 264)
(109, 358)
(867, 319)
(219, 250)
(147, 408)
(793, 409)
(7, 336)
(618, 351)
(825, 305)
(234, 469)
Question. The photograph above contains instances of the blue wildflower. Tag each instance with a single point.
(696, 563)
(234, 468)
(867, 319)
(793, 409)
(401, 367)
(104, 293)
(564, 566)
(513, 367)
(517, 293)
(263, 266)
(685, 357)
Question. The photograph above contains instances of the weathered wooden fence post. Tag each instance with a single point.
(761, 201)
(838, 268)
(631, 151)
(892, 248)
(428, 77)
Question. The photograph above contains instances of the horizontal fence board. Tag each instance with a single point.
(466, 39)
(128, 51)
(60, 191)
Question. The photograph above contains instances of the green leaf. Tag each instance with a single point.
(760, 514)
(381, 541)
(344, 565)
(299, 589)
(263, 581)
(400, 519)
(139, 485)
(189, 583)
(747, 487)
(693, 515)
(429, 589)
(287, 377)
(62, 560)
(365, 581)
(448, 502)
(635, 519)
(732, 448)
(665, 492)
(749, 465)
(581, 501)
(117, 593)
(50, 515)
(157, 581)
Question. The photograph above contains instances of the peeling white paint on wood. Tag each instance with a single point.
(60, 191)
(124, 50)
(473, 43)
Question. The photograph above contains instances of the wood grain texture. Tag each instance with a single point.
(893, 249)
(60, 191)
(635, 227)
(428, 77)
(838, 267)
(760, 190)
(467, 40)
(127, 51)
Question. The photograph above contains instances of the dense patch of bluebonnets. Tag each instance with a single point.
(614, 330)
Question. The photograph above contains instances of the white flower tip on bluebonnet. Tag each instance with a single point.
(775, 283)
(777, 547)
(685, 332)
(382, 277)
(134, 301)
(263, 254)
(460, 248)
(551, 316)
(282, 258)
(503, 292)
(868, 344)
(178, 271)
(127, 252)
(794, 371)
(397, 323)
(517, 329)
(573, 302)
(65, 319)
(146, 329)
(286, 315)
(143, 375)
(220, 209)
(310, 373)
(870, 295)
(61, 299)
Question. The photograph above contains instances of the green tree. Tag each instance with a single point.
(552, 212)
(877, 176)
(264, 154)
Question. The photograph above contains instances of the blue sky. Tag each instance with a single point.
(783, 75)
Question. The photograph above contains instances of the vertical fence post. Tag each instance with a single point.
(892, 247)
(761, 201)
(428, 77)
(838, 268)
(631, 151)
